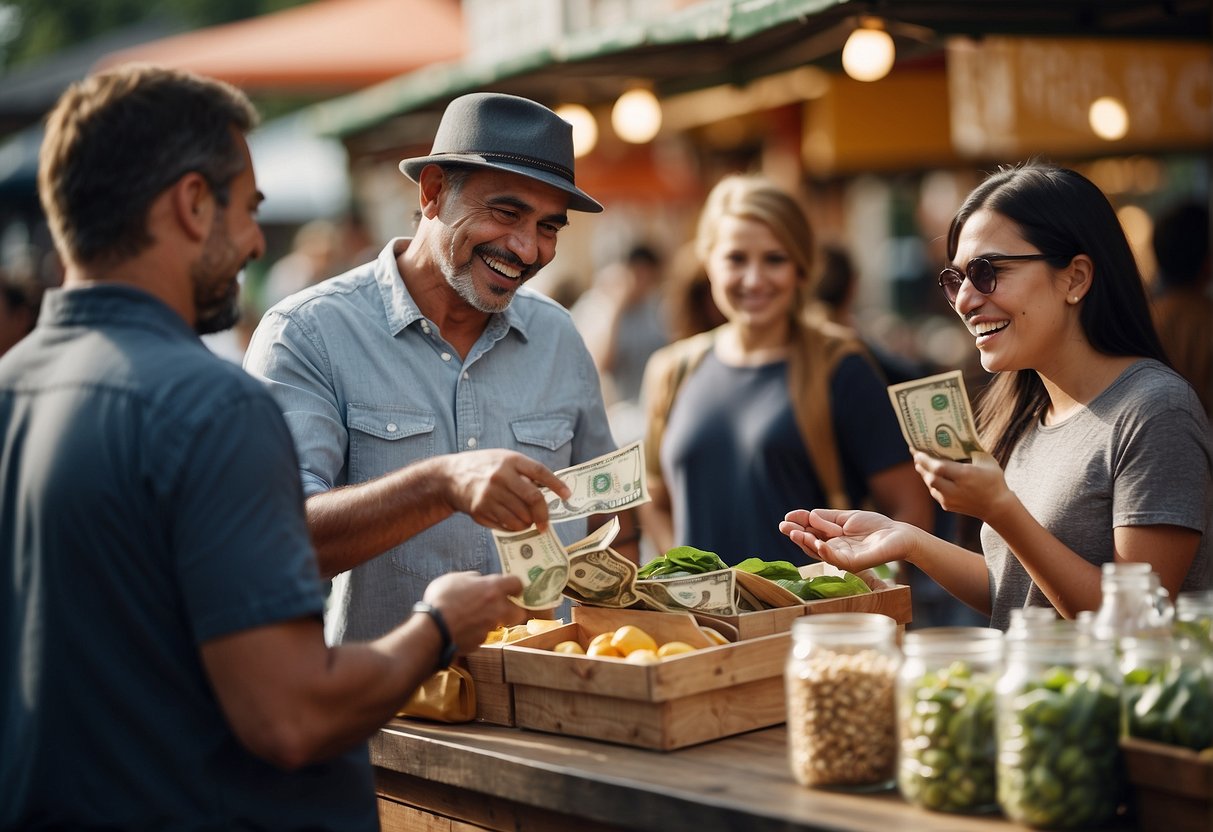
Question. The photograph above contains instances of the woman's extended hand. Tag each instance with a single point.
(976, 488)
(850, 540)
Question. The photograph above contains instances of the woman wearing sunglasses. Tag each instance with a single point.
(769, 410)
(1099, 451)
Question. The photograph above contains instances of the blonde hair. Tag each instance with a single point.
(756, 198)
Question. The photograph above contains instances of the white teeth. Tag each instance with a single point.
(986, 327)
(506, 269)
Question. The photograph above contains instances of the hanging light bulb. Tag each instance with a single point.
(1108, 118)
(869, 52)
(585, 127)
(636, 116)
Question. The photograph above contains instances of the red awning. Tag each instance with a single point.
(326, 45)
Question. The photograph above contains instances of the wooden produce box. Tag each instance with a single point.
(1173, 786)
(887, 599)
(494, 697)
(683, 700)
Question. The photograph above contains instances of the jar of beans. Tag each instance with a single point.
(945, 718)
(841, 676)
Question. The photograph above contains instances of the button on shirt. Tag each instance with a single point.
(368, 385)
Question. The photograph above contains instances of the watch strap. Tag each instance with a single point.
(447, 654)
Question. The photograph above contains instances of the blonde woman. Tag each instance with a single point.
(768, 410)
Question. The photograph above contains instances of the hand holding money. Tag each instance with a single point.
(605, 485)
(935, 416)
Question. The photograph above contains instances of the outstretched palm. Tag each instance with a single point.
(850, 540)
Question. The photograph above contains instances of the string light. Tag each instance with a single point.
(636, 116)
(869, 52)
(585, 128)
(1108, 118)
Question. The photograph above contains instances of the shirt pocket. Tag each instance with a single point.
(545, 438)
(385, 438)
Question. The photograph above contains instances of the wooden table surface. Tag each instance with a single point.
(737, 783)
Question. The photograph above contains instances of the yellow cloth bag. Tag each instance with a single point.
(447, 696)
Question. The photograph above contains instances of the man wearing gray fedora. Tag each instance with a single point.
(429, 392)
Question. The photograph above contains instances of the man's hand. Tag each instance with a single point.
(473, 604)
(500, 489)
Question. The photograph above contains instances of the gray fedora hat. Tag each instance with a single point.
(506, 132)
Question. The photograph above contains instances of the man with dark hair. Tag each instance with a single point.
(430, 392)
(162, 662)
(1182, 309)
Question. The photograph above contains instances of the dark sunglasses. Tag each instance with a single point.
(980, 273)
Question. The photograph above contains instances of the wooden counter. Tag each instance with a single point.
(461, 777)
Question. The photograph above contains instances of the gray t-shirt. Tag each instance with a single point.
(1139, 454)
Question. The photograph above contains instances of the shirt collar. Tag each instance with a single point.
(110, 303)
(402, 311)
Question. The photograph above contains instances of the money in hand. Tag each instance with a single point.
(611, 483)
(539, 560)
(935, 416)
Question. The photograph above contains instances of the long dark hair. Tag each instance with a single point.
(1062, 214)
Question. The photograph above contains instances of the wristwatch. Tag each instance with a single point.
(448, 644)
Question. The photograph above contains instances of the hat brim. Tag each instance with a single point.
(579, 200)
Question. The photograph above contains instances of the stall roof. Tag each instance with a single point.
(736, 41)
(323, 46)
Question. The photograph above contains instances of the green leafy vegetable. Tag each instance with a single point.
(681, 560)
(826, 586)
(770, 569)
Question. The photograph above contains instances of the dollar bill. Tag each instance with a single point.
(603, 578)
(608, 484)
(935, 416)
(710, 592)
(539, 560)
(597, 540)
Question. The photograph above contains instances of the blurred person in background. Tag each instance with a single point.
(622, 319)
(689, 306)
(430, 392)
(771, 408)
(317, 249)
(1099, 451)
(1182, 308)
(20, 300)
(162, 659)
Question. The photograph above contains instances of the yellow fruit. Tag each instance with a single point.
(516, 632)
(541, 625)
(569, 647)
(602, 638)
(714, 635)
(496, 636)
(603, 650)
(642, 656)
(674, 648)
(630, 637)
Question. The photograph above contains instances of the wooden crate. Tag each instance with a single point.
(1173, 786)
(494, 696)
(687, 699)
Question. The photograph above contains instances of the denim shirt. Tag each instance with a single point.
(368, 385)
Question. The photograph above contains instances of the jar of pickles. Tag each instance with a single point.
(945, 717)
(1194, 617)
(840, 676)
(1057, 723)
(1167, 691)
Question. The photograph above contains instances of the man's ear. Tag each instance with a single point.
(432, 181)
(193, 204)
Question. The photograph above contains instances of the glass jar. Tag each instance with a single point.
(840, 676)
(1194, 617)
(1167, 692)
(1057, 722)
(1133, 602)
(945, 718)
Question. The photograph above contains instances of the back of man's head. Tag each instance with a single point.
(1181, 244)
(116, 140)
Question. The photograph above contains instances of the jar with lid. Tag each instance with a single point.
(840, 675)
(1167, 692)
(1194, 617)
(945, 717)
(1133, 602)
(1058, 709)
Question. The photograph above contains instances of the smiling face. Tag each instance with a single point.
(235, 239)
(1026, 321)
(498, 229)
(754, 279)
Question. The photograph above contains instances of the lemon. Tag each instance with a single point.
(602, 650)
(630, 637)
(642, 656)
(569, 647)
(496, 636)
(714, 635)
(602, 638)
(541, 625)
(674, 648)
